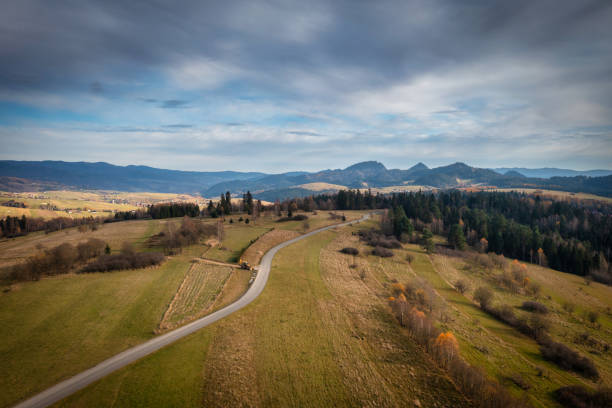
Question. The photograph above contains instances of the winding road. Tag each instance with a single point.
(82, 380)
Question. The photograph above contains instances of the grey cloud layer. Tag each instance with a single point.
(46, 44)
(419, 77)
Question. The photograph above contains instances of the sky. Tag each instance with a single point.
(279, 86)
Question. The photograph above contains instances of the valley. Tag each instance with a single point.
(326, 314)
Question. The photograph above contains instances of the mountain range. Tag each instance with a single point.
(548, 172)
(53, 175)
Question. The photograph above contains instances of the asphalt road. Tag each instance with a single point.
(82, 380)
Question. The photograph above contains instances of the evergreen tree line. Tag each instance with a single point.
(158, 211)
(174, 210)
(226, 207)
(17, 226)
(570, 237)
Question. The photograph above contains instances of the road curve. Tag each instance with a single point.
(82, 380)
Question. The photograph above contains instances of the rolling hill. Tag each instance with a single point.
(51, 175)
(105, 176)
(548, 172)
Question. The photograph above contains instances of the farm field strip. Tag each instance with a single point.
(196, 295)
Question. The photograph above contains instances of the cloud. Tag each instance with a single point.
(173, 104)
(179, 126)
(202, 73)
(486, 81)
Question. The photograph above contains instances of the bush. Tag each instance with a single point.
(484, 261)
(534, 289)
(539, 326)
(377, 239)
(520, 382)
(55, 261)
(461, 286)
(189, 233)
(299, 217)
(506, 279)
(586, 339)
(134, 260)
(382, 252)
(483, 296)
(578, 396)
(568, 359)
(498, 260)
(90, 249)
(535, 307)
(350, 251)
(592, 316)
(536, 326)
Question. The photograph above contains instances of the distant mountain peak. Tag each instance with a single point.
(367, 166)
(419, 166)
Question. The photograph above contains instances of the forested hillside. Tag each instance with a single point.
(569, 237)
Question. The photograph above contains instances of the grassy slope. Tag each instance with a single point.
(16, 249)
(64, 324)
(294, 346)
(494, 346)
(237, 239)
(197, 294)
(238, 236)
(279, 368)
(558, 288)
(356, 347)
(60, 326)
(559, 195)
(488, 343)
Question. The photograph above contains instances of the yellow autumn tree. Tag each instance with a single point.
(482, 245)
(421, 296)
(398, 288)
(417, 319)
(540, 256)
(446, 347)
(420, 326)
(401, 309)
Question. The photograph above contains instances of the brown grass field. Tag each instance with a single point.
(61, 325)
(558, 195)
(75, 204)
(15, 250)
(270, 239)
(196, 295)
(318, 336)
(321, 333)
(485, 342)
